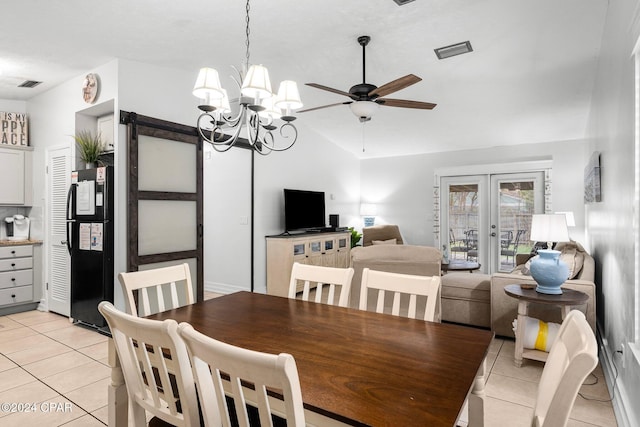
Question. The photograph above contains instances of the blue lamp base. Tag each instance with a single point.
(549, 272)
(369, 220)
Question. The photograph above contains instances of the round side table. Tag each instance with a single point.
(454, 265)
(525, 296)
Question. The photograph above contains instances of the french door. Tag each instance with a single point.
(487, 218)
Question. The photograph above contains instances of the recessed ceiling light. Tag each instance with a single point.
(453, 50)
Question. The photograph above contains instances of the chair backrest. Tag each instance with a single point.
(398, 285)
(381, 232)
(156, 367)
(157, 279)
(573, 355)
(336, 281)
(222, 369)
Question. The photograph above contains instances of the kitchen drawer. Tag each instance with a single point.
(16, 251)
(10, 279)
(16, 264)
(18, 295)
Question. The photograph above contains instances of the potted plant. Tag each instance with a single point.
(90, 147)
(355, 237)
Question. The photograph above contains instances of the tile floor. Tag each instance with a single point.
(44, 358)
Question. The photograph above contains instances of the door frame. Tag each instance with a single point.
(440, 204)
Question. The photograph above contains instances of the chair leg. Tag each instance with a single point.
(137, 414)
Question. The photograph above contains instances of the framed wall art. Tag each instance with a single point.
(592, 192)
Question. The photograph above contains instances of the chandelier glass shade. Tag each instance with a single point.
(259, 108)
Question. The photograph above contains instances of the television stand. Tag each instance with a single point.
(328, 249)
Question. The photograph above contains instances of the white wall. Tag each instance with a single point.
(403, 186)
(11, 106)
(312, 164)
(611, 223)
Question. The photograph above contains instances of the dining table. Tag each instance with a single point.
(356, 368)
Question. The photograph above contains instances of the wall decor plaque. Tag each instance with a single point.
(14, 130)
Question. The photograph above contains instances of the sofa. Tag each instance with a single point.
(405, 259)
(504, 309)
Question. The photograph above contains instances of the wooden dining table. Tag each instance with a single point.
(356, 368)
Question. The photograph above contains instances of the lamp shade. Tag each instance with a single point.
(364, 108)
(549, 228)
(221, 104)
(270, 109)
(368, 209)
(256, 83)
(208, 85)
(288, 96)
(571, 222)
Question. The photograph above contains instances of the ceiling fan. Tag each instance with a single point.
(366, 98)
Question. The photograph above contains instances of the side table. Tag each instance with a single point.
(568, 298)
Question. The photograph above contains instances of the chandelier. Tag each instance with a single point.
(259, 110)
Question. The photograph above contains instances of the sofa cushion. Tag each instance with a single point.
(385, 242)
(469, 286)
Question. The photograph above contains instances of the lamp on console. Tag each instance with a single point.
(547, 269)
(368, 211)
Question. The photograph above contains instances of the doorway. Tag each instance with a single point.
(487, 217)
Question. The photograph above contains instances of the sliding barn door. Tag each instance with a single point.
(165, 206)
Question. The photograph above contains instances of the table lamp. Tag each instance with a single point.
(368, 211)
(547, 269)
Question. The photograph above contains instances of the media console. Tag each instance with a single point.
(328, 249)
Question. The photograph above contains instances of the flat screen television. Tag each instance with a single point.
(303, 210)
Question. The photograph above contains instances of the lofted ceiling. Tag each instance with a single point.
(529, 78)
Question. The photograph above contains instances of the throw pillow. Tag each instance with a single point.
(573, 258)
(384, 242)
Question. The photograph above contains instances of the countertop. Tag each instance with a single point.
(20, 242)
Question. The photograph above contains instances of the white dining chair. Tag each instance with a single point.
(224, 371)
(156, 368)
(573, 356)
(151, 286)
(336, 282)
(405, 287)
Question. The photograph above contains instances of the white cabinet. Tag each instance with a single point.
(16, 176)
(323, 249)
(16, 275)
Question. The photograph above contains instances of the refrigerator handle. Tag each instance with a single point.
(69, 217)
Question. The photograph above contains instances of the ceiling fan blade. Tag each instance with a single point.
(395, 85)
(330, 89)
(405, 103)
(323, 106)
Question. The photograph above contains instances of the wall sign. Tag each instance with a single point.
(14, 129)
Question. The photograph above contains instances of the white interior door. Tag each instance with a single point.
(58, 282)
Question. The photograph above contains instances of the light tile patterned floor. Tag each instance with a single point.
(46, 359)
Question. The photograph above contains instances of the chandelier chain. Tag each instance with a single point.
(248, 31)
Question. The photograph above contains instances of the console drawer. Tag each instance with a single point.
(18, 295)
(12, 279)
(16, 264)
(16, 251)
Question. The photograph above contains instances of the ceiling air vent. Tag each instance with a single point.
(402, 2)
(29, 83)
(453, 50)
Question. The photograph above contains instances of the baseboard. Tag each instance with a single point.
(223, 288)
(621, 399)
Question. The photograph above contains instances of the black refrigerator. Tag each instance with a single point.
(90, 243)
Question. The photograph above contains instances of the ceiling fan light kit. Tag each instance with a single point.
(259, 108)
(365, 98)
